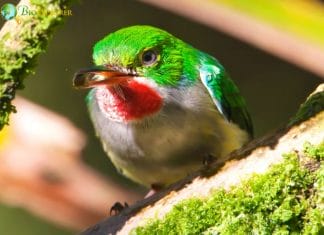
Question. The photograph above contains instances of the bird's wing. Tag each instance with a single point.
(225, 94)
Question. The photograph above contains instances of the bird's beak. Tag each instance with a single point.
(99, 75)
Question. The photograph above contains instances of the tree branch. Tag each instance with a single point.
(21, 40)
(289, 181)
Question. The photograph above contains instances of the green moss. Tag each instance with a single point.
(31, 40)
(287, 199)
(313, 105)
(314, 152)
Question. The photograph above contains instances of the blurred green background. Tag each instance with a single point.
(273, 88)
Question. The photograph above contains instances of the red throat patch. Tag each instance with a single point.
(128, 102)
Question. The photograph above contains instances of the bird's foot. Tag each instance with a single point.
(117, 208)
(154, 189)
(208, 160)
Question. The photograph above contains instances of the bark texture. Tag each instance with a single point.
(272, 185)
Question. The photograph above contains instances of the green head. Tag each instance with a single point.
(139, 69)
(149, 52)
(134, 65)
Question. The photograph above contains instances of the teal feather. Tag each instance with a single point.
(224, 93)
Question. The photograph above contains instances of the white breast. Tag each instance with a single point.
(165, 147)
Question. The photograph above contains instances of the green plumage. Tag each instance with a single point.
(160, 106)
(124, 47)
(225, 93)
(181, 66)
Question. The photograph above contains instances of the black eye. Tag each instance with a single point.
(149, 57)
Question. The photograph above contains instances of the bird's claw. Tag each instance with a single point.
(117, 208)
(208, 160)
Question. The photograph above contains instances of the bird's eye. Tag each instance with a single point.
(149, 57)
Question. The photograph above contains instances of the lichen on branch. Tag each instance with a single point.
(22, 39)
(314, 104)
(284, 200)
(273, 185)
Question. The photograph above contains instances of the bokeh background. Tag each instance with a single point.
(273, 88)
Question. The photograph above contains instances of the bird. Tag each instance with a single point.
(160, 106)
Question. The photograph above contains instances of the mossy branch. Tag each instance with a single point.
(274, 185)
(22, 39)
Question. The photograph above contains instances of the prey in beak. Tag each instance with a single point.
(100, 75)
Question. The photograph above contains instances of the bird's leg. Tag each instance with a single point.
(207, 169)
(117, 208)
(208, 160)
(154, 189)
